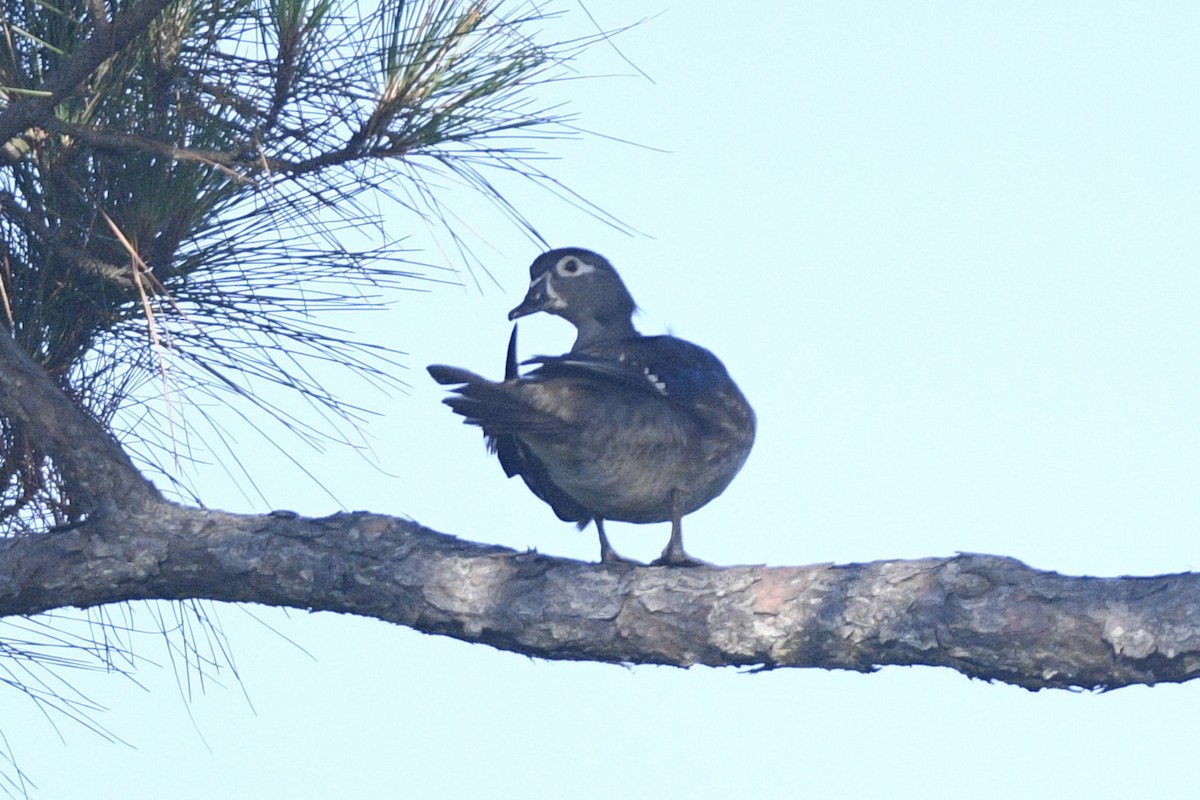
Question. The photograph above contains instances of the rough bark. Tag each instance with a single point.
(98, 472)
(985, 616)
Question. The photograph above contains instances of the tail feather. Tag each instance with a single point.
(505, 412)
(510, 362)
(444, 375)
(498, 408)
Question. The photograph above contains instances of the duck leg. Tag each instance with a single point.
(674, 555)
(607, 554)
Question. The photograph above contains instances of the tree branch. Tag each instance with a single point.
(103, 139)
(229, 162)
(96, 469)
(985, 616)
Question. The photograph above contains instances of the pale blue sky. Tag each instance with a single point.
(949, 251)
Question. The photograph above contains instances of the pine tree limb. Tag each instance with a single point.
(986, 616)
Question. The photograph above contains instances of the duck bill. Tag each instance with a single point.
(530, 305)
(540, 297)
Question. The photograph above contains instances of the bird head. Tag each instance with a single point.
(583, 288)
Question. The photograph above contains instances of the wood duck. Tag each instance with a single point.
(623, 427)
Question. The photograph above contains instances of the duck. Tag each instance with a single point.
(623, 427)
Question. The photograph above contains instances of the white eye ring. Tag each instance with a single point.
(572, 267)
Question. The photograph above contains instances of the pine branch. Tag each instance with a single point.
(96, 469)
(986, 616)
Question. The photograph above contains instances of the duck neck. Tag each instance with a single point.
(592, 331)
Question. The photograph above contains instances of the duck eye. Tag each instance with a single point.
(572, 266)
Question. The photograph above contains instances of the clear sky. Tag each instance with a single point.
(948, 250)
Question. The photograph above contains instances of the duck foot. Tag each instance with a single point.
(680, 559)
